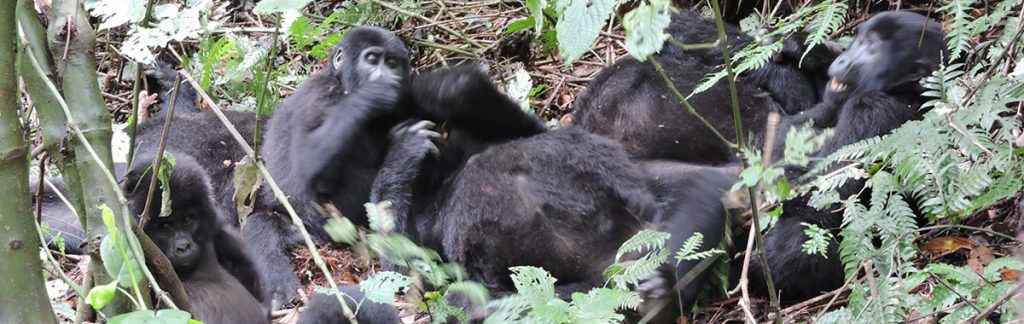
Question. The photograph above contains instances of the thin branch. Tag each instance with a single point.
(686, 103)
(278, 193)
(992, 307)
(428, 20)
(738, 124)
(158, 160)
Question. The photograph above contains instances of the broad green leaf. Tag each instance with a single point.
(114, 261)
(163, 316)
(100, 295)
(579, 24)
(115, 13)
(645, 28)
(537, 15)
(381, 287)
(472, 291)
(597, 306)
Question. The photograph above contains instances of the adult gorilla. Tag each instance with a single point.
(505, 192)
(875, 88)
(631, 103)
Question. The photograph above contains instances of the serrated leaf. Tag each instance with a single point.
(643, 240)
(645, 28)
(598, 306)
(472, 291)
(534, 283)
(341, 230)
(381, 287)
(579, 24)
(381, 219)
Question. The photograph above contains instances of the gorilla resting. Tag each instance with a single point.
(875, 88)
(504, 192)
(631, 103)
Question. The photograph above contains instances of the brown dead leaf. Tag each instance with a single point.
(1009, 274)
(947, 244)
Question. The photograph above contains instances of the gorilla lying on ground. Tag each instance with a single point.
(631, 103)
(505, 192)
(875, 88)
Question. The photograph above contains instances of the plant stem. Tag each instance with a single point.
(133, 121)
(423, 18)
(738, 123)
(686, 103)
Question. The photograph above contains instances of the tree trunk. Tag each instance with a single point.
(71, 40)
(22, 295)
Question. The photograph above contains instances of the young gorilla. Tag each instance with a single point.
(207, 254)
(875, 88)
(504, 192)
(631, 103)
(325, 309)
(325, 143)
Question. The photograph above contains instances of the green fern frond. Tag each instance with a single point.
(959, 32)
(825, 22)
(643, 240)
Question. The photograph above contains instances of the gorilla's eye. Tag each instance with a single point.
(372, 58)
(391, 62)
(189, 221)
(165, 226)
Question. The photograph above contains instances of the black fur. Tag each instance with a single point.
(207, 254)
(881, 72)
(631, 103)
(325, 309)
(504, 192)
(161, 77)
(58, 215)
(325, 143)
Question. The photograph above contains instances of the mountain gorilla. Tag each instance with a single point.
(505, 192)
(875, 88)
(325, 144)
(631, 103)
(59, 216)
(325, 309)
(206, 253)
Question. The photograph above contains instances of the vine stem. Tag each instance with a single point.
(738, 123)
(686, 103)
(133, 122)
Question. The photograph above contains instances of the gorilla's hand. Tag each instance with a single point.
(414, 139)
(440, 93)
(381, 94)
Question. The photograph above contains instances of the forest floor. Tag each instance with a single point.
(555, 86)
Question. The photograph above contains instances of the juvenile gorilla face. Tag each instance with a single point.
(177, 237)
(367, 54)
(890, 50)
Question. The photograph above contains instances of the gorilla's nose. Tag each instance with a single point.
(183, 248)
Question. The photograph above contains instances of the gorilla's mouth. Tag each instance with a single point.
(837, 85)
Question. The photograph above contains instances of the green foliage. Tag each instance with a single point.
(579, 24)
(689, 252)
(286, 7)
(100, 295)
(817, 239)
(382, 286)
(118, 259)
(825, 22)
(163, 316)
(956, 282)
(645, 28)
(170, 22)
(823, 16)
(317, 39)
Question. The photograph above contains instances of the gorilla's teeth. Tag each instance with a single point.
(837, 85)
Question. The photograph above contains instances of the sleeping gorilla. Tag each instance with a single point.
(631, 103)
(875, 88)
(207, 254)
(504, 192)
(325, 144)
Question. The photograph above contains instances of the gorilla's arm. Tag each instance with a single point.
(464, 97)
(231, 254)
(411, 141)
(328, 132)
(872, 114)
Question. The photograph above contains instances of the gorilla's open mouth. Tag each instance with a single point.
(836, 85)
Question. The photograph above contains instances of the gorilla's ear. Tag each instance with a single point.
(339, 56)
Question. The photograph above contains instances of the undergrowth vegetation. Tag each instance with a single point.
(964, 159)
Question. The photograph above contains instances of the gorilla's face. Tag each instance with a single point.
(890, 50)
(177, 236)
(367, 54)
